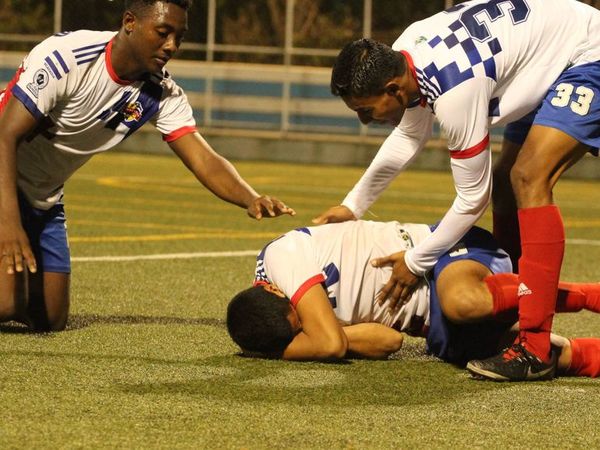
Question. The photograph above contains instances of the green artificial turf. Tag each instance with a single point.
(146, 361)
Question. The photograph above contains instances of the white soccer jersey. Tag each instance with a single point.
(478, 64)
(69, 84)
(338, 256)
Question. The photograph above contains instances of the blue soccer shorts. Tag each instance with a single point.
(47, 233)
(460, 343)
(572, 105)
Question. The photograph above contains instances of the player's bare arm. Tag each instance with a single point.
(372, 340)
(223, 180)
(321, 337)
(335, 214)
(15, 250)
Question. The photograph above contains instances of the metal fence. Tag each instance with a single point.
(284, 97)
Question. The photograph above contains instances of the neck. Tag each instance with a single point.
(124, 66)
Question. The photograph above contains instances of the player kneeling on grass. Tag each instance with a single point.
(77, 94)
(315, 297)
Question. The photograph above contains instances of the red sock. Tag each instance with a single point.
(578, 295)
(572, 297)
(503, 287)
(585, 357)
(543, 242)
(506, 233)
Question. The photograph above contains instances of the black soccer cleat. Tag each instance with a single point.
(515, 363)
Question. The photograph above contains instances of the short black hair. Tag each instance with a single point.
(138, 6)
(257, 321)
(363, 67)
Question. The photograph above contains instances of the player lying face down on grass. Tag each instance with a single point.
(530, 65)
(77, 94)
(315, 289)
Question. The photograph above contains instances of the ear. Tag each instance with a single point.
(392, 87)
(274, 290)
(128, 22)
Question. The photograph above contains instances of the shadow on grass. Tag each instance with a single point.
(356, 383)
(79, 321)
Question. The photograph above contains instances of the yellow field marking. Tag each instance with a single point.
(166, 185)
(150, 225)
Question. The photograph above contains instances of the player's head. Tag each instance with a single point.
(153, 31)
(371, 78)
(261, 319)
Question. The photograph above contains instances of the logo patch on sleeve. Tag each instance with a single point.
(40, 81)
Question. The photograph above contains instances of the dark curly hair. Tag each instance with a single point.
(363, 67)
(257, 321)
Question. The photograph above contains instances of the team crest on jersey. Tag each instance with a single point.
(132, 112)
(40, 81)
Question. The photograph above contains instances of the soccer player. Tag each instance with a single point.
(314, 298)
(77, 94)
(477, 65)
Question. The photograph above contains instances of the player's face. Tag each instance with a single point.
(382, 109)
(157, 34)
(389, 106)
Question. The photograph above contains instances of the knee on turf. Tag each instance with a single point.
(44, 319)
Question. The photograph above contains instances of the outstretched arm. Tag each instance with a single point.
(221, 178)
(394, 155)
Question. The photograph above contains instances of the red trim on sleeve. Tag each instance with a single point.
(109, 67)
(411, 67)
(305, 287)
(174, 135)
(471, 151)
(8, 91)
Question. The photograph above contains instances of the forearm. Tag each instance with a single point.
(372, 340)
(213, 171)
(395, 154)
(473, 184)
(322, 348)
(223, 180)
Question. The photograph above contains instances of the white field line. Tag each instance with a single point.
(229, 254)
(165, 256)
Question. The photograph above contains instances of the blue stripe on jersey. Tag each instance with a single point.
(61, 61)
(88, 47)
(104, 115)
(435, 41)
(494, 107)
(471, 52)
(79, 63)
(53, 68)
(495, 46)
(149, 98)
(94, 53)
(304, 230)
(27, 102)
(490, 68)
(449, 76)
